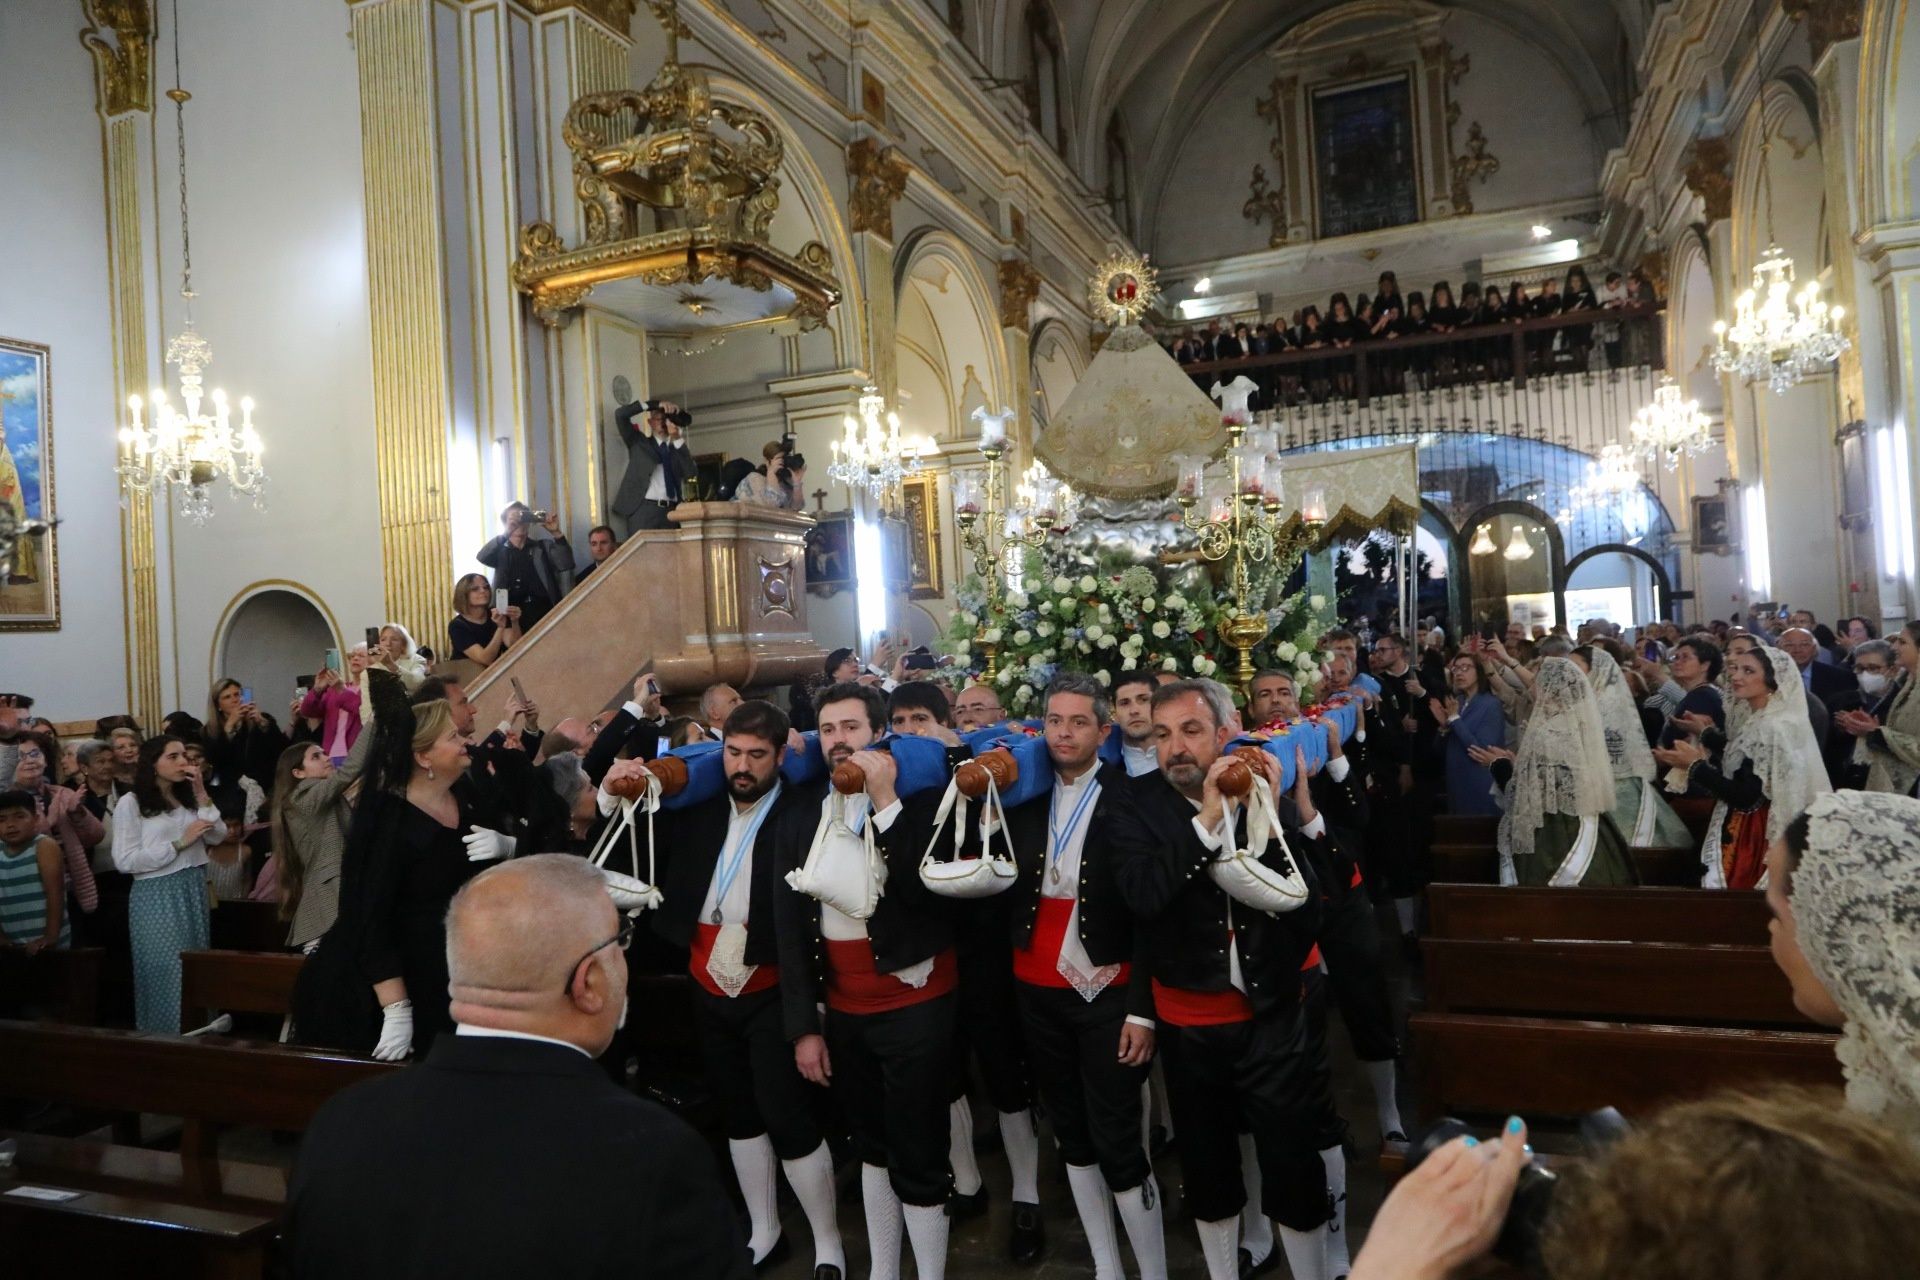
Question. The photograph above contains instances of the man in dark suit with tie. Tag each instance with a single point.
(658, 463)
(508, 1152)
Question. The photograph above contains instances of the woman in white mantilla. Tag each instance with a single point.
(1558, 792)
(1639, 810)
(1769, 773)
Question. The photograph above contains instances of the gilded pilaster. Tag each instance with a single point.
(876, 177)
(120, 38)
(393, 45)
(1019, 286)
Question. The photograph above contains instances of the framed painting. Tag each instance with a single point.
(1713, 532)
(830, 553)
(920, 503)
(1366, 167)
(30, 585)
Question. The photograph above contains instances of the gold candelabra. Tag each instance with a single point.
(1248, 530)
(990, 529)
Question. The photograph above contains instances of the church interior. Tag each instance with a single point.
(638, 357)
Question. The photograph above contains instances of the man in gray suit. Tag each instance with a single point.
(658, 463)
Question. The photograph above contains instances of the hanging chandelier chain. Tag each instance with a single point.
(1766, 175)
(179, 95)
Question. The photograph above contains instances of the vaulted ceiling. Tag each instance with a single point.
(1157, 62)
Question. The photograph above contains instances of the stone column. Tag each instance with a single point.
(120, 38)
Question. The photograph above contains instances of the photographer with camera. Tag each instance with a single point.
(659, 464)
(781, 483)
(534, 572)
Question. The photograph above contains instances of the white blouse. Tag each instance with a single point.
(144, 847)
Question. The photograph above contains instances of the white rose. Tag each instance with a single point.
(1006, 675)
(1176, 602)
(1206, 666)
(1129, 663)
(1304, 662)
(1023, 638)
(961, 646)
(1103, 677)
(1286, 650)
(1016, 599)
(1107, 642)
(1043, 629)
(1094, 632)
(1161, 630)
(1023, 695)
(1062, 584)
(1031, 585)
(1084, 647)
(992, 636)
(1067, 605)
(1316, 603)
(1170, 665)
(1087, 583)
(1146, 605)
(1106, 614)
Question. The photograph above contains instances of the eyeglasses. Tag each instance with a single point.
(622, 939)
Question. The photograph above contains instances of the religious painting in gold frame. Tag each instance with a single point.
(30, 592)
(920, 506)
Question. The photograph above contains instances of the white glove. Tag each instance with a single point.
(396, 1031)
(630, 895)
(486, 845)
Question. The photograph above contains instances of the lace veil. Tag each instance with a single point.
(1627, 747)
(1778, 740)
(1856, 908)
(1562, 766)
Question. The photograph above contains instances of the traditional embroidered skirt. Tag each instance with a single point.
(166, 915)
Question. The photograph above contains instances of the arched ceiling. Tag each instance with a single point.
(1158, 61)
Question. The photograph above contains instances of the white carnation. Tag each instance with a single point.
(961, 646)
(1316, 603)
(1103, 677)
(1043, 629)
(1176, 602)
(1286, 650)
(1084, 647)
(1107, 641)
(1087, 583)
(992, 636)
(1023, 638)
(1016, 599)
(1031, 585)
(1094, 632)
(1062, 584)
(1023, 695)
(1006, 675)
(1304, 662)
(1046, 606)
(1161, 630)
(1129, 662)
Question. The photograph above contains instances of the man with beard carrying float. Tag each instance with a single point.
(719, 879)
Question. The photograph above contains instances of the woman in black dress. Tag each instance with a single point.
(1495, 352)
(1311, 335)
(378, 983)
(1413, 323)
(1577, 339)
(1342, 331)
(1443, 316)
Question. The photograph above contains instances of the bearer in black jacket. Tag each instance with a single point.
(886, 981)
(1227, 990)
(719, 874)
(986, 1025)
(1086, 1008)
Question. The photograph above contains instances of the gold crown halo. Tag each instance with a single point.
(1122, 288)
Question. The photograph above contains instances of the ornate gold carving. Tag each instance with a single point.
(1828, 21)
(617, 14)
(873, 98)
(1710, 176)
(1478, 164)
(1019, 286)
(123, 66)
(1653, 265)
(876, 177)
(1264, 202)
(675, 188)
(1120, 290)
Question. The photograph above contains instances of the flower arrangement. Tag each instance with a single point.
(1105, 612)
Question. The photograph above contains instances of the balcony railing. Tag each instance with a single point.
(1511, 353)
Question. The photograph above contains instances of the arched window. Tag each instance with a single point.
(1044, 100)
(1119, 176)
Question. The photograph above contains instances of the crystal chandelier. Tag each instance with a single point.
(187, 449)
(1777, 335)
(871, 452)
(1518, 547)
(1670, 427)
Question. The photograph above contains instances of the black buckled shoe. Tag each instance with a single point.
(960, 1208)
(781, 1251)
(1028, 1239)
(827, 1271)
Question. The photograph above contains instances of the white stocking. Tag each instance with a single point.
(966, 1170)
(1022, 1141)
(753, 1165)
(1306, 1252)
(811, 1177)
(1140, 1211)
(1096, 1215)
(1256, 1231)
(1386, 1102)
(1220, 1246)
(927, 1228)
(883, 1223)
(1338, 1260)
